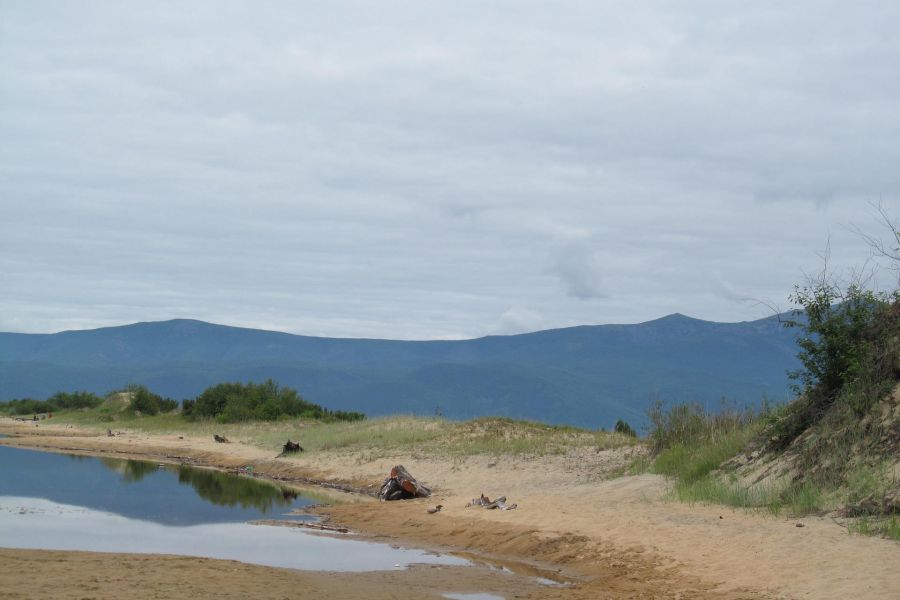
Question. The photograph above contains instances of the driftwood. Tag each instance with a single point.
(290, 446)
(402, 486)
(485, 502)
(303, 524)
(220, 438)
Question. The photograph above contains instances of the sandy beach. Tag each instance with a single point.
(604, 538)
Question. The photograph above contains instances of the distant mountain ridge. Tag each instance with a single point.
(586, 375)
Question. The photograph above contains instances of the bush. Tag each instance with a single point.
(28, 406)
(624, 428)
(234, 402)
(147, 402)
(849, 354)
(833, 343)
(56, 402)
(74, 400)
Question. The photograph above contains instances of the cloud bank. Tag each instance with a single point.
(431, 171)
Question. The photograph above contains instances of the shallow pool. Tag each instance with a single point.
(64, 502)
(168, 494)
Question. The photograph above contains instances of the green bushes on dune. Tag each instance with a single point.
(235, 402)
(56, 402)
(225, 402)
(148, 403)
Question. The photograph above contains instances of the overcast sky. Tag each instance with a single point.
(435, 170)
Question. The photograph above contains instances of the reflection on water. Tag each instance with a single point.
(228, 490)
(169, 494)
(219, 488)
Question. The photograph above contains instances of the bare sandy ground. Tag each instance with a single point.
(610, 538)
(40, 575)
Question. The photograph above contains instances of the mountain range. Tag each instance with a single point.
(587, 376)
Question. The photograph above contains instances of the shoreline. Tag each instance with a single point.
(611, 538)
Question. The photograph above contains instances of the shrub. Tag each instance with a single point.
(833, 343)
(28, 406)
(73, 400)
(56, 402)
(848, 351)
(234, 402)
(624, 428)
(147, 402)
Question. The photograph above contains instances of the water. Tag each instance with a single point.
(64, 502)
(170, 494)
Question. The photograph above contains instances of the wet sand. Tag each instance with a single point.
(39, 575)
(617, 538)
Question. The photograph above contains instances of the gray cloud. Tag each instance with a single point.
(580, 269)
(362, 170)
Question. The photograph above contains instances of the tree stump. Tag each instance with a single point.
(402, 486)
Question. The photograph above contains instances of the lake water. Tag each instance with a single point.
(66, 502)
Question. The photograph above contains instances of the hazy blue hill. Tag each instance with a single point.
(588, 375)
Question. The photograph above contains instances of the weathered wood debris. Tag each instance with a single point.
(220, 438)
(290, 446)
(303, 524)
(486, 502)
(402, 486)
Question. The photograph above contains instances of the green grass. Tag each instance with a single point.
(885, 527)
(804, 498)
(690, 462)
(795, 500)
(713, 490)
(693, 445)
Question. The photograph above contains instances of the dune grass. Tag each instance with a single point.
(420, 436)
(693, 446)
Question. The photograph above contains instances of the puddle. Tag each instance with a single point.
(166, 494)
(41, 524)
(66, 502)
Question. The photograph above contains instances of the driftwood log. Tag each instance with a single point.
(486, 502)
(290, 446)
(402, 486)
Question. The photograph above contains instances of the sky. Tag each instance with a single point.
(437, 170)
